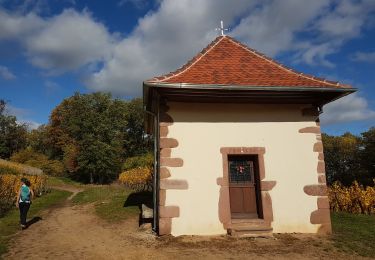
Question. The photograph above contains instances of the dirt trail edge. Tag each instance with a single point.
(74, 232)
(74, 190)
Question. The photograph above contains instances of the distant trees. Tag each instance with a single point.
(39, 140)
(349, 157)
(39, 160)
(368, 153)
(12, 134)
(93, 134)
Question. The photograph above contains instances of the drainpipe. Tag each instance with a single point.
(155, 180)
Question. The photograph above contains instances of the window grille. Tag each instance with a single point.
(241, 170)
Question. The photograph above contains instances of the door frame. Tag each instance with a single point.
(265, 205)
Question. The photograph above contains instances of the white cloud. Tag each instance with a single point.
(16, 111)
(18, 27)
(341, 22)
(163, 41)
(69, 41)
(22, 115)
(316, 54)
(6, 74)
(36, 6)
(271, 27)
(139, 4)
(15, 27)
(167, 37)
(347, 109)
(62, 43)
(364, 56)
(31, 125)
(51, 87)
(276, 27)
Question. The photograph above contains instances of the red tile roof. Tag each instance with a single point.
(228, 62)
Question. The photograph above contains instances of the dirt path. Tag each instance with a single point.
(74, 190)
(74, 232)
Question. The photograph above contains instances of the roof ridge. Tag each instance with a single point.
(193, 61)
(290, 70)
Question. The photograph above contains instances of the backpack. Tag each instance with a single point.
(25, 193)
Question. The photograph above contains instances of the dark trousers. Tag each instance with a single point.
(24, 208)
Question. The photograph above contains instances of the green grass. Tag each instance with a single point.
(354, 233)
(9, 224)
(58, 181)
(108, 201)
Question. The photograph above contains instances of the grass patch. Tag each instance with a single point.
(59, 181)
(9, 224)
(354, 233)
(109, 202)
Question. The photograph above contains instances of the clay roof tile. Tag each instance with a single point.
(225, 61)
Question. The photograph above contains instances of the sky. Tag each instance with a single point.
(51, 49)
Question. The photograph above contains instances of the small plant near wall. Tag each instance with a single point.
(137, 173)
(139, 179)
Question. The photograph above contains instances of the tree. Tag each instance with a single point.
(136, 140)
(93, 133)
(12, 134)
(367, 156)
(38, 140)
(341, 154)
(33, 158)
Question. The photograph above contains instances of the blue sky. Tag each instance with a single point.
(51, 49)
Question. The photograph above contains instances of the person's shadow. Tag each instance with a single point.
(137, 199)
(32, 221)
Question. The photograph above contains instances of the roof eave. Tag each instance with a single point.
(249, 87)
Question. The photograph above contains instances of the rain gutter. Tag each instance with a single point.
(236, 87)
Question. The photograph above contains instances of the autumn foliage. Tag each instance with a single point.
(137, 173)
(10, 182)
(138, 179)
(33, 158)
(352, 199)
(7, 167)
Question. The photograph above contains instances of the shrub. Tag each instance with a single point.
(353, 199)
(142, 161)
(7, 167)
(137, 172)
(32, 158)
(138, 179)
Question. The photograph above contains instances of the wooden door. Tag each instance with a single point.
(242, 187)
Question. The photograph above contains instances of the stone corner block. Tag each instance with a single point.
(168, 142)
(316, 190)
(310, 130)
(171, 162)
(165, 226)
(320, 216)
(169, 211)
(173, 184)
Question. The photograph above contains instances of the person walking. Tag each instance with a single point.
(24, 198)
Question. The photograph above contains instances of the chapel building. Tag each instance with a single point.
(238, 147)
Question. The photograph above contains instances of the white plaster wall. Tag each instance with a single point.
(202, 129)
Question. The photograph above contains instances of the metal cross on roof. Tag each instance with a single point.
(222, 28)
